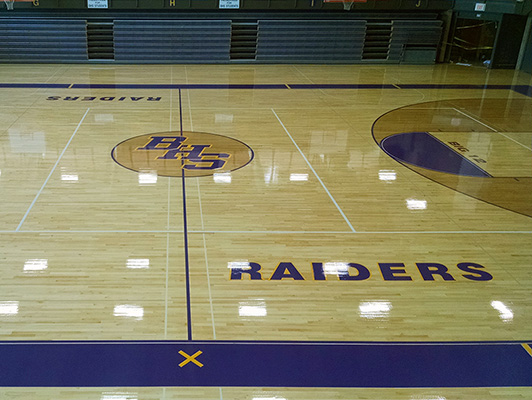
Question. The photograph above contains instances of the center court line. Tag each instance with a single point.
(185, 232)
(202, 221)
(52, 171)
(315, 173)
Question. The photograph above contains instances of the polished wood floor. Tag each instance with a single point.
(91, 250)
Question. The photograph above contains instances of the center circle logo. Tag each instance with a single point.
(188, 154)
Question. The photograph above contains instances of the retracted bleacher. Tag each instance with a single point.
(415, 41)
(43, 40)
(172, 41)
(213, 40)
(300, 41)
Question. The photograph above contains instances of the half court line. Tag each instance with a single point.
(314, 172)
(52, 171)
(185, 234)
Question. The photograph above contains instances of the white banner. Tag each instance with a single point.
(97, 4)
(229, 3)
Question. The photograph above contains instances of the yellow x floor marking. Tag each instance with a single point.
(191, 358)
(527, 348)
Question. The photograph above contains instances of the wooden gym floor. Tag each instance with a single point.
(265, 232)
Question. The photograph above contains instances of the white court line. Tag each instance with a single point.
(167, 264)
(315, 173)
(322, 91)
(52, 171)
(281, 232)
(260, 343)
(302, 74)
(202, 221)
(33, 105)
(94, 231)
(423, 97)
(206, 261)
(513, 140)
(188, 100)
(363, 232)
(171, 92)
(474, 119)
(168, 229)
(54, 74)
(494, 130)
(429, 108)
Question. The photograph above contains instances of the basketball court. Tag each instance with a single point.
(265, 232)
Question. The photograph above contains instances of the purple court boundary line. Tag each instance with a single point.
(522, 89)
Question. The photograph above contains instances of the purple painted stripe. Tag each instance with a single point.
(271, 342)
(341, 86)
(523, 89)
(35, 85)
(453, 86)
(89, 364)
(176, 86)
(424, 150)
